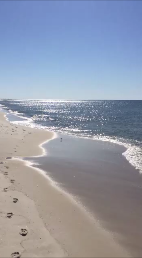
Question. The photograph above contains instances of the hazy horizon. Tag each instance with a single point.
(70, 99)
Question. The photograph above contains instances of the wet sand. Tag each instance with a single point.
(102, 179)
(37, 218)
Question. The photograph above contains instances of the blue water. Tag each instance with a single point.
(116, 121)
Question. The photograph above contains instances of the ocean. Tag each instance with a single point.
(90, 164)
(105, 120)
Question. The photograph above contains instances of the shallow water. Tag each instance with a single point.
(115, 121)
(104, 182)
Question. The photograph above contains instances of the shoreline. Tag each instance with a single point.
(66, 222)
(129, 147)
(115, 184)
(15, 214)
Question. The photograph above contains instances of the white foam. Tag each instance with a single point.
(44, 151)
(133, 152)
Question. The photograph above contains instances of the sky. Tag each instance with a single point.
(71, 49)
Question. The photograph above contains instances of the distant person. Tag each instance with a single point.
(61, 139)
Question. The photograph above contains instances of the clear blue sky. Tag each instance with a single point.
(71, 49)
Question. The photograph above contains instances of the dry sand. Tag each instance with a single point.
(42, 221)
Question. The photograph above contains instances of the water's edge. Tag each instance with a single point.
(133, 153)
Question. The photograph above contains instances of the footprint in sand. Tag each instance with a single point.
(15, 255)
(6, 173)
(8, 158)
(6, 167)
(12, 181)
(1, 162)
(23, 232)
(15, 200)
(9, 215)
(5, 189)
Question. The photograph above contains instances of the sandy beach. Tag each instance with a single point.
(70, 129)
(37, 218)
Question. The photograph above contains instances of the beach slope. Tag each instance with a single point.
(37, 218)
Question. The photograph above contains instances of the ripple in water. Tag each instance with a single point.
(114, 121)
